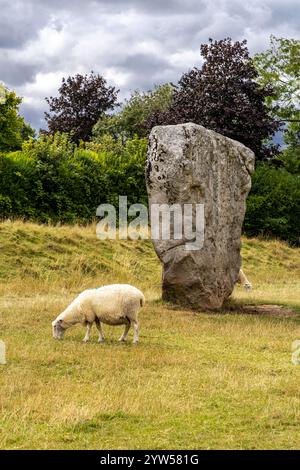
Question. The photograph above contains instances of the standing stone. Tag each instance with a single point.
(189, 164)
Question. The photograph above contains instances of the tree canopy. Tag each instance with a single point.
(224, 96)
(13, 129)
(81, 101)
(280, 66)
(135, 112)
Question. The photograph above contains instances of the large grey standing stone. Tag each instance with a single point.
(188, 163)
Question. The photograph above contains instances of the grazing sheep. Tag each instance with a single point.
(243, 280)
(117, 304)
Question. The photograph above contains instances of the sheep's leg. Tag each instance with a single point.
(99, 328)
(127, 328)
(88, 331)
(136, 332)
(244, 281)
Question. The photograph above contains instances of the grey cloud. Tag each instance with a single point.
(168, 7)
(12, 38)
(147, 70)
(143, 63)
(35, 116)
(135, 42)
(155, 7)
(20, 21)
(15, 73)
(281, 14)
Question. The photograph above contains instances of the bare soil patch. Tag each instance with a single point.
(264, 309)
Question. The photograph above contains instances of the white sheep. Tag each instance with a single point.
(242, 279)
(116, 304)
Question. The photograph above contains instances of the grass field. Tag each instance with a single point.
(197, 380)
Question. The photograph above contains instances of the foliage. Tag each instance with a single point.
(291, 159)
(130, 121)
(273, 206)
(224, 96)
(280, 66)
(124, 166)
(61, 178)
(13, 129)
(52, 179)
(82, 100)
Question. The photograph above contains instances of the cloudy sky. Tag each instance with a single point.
(132, 43)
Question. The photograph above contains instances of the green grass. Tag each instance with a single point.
(196, 380)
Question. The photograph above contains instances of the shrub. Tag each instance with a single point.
(273, 205)
(291, 159)
(53, 180)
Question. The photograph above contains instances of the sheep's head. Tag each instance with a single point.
(58, 329)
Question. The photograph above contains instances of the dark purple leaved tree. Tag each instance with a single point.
(81, 101)
(224, 96)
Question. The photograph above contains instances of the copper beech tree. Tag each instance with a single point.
(224, 96)
(81, 101)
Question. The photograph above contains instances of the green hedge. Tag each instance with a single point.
(273, 205)
(53, 180)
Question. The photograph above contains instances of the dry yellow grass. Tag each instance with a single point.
(196, 380)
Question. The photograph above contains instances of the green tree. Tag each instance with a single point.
(273, 205)
(279, 66)
(291, 154)
(135, 112)
(13, 129)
